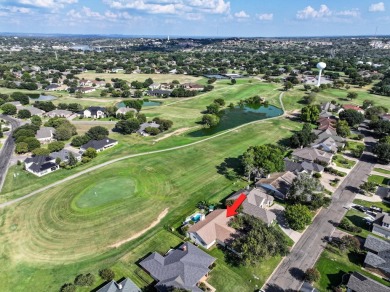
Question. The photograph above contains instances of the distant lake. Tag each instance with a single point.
(42, 97)
(237, 116)
(81, 47)
(145, 103)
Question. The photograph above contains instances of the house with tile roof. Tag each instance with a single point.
(325, 123)
(40, 165)
(184, 268)
(255, 204)
(277, 184)
(352, 107)
(360, 283)
(378, 256)
(214, 229)
(126, 285)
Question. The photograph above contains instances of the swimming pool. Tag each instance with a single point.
(196, 217)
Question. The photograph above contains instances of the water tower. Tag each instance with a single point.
(320, 66)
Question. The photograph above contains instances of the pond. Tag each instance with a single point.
(238, 116)
(144, 104)
(42, 97)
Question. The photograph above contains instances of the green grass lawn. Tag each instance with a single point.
(340, 161)
(352, 145)
(381, 170)
(333, 265)
(105, 192)
(380, 180)
(52, 233)
(356, 218)
(227, 277)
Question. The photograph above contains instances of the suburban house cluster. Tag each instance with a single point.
(327, 143)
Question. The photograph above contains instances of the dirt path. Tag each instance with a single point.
(138, 234)
(177, 132)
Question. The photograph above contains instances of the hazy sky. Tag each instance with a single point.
(197, 17)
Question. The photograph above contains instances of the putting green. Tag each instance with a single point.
(106, 191)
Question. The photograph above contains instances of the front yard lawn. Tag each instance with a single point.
(356, 218)
(380, 180)
(340, 161)
(381, 170)
(333, 265)
(352, 145)
(229, 277)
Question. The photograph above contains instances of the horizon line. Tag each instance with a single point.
(187, 36)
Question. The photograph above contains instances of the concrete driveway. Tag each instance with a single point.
(278, 210)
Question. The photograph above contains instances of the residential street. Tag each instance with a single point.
(7, 149)
(307, 250)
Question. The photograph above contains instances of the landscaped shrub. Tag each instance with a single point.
(84, 280)
(317, 175)
(334, 171)
(107, 274)
(68, 287)
(312, 275)
(346, 225)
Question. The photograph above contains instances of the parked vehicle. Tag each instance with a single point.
(376, 209)
(360, 208)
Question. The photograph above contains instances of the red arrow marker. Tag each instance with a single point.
(231, 210)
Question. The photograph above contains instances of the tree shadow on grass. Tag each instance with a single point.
(335, 279)
(358, 221)
(231, 168)
(356, 258)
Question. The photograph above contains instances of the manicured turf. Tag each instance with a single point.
(227, 277)
(381, 170)
(106, 191)
(333, 266)
(343, 162)
(158, 78)
(351, 145)
(356, 218)
(381, 180)
(50, 231)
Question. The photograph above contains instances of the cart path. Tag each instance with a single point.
(76, 175)
(138, 234)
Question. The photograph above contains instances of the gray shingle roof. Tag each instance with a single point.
(64, 155)
(95, 109)
(126, 286)
(359, 283)
(143, 126)
(301, 166)
(40, 163)
(251, 205)
(45, 133)
(376, 244)
(380, 255)
(181, 268)
(98, 144)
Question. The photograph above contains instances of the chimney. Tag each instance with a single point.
(120, 286)
(184, 247)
